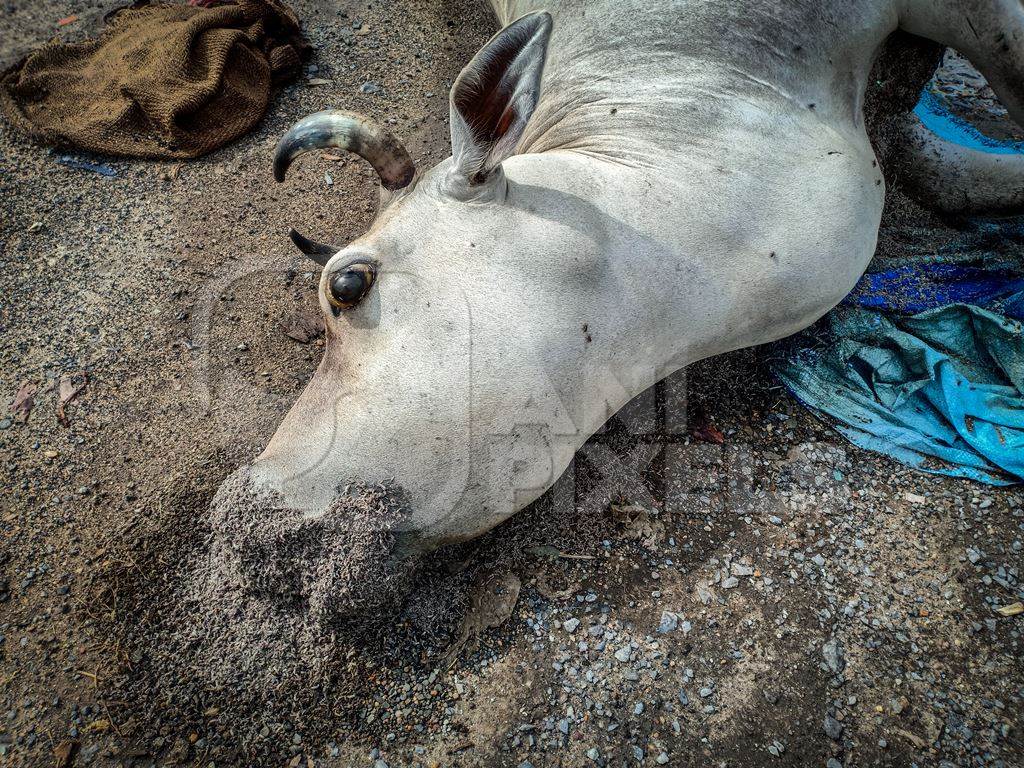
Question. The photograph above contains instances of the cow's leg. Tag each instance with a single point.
(991, 34)
(988, 32)
(953, 178)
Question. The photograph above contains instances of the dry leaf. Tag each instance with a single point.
(545, 588)
(639, 524)
(710, 434)
(303, 326)
(1013, 609)
(318, 81)
(98, 726)
(494, 597)
(913, 738)
(67, 20)
(24, 400)
(68, 390)
(64, 754)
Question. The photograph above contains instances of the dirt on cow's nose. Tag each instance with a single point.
(333, 566)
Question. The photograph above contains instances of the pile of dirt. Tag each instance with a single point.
(245, 607)
(328, 567)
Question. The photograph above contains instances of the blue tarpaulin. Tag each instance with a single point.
(921, 287)
(924, 360)
(936, 116)
(942, 390)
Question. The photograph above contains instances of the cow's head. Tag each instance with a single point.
(407, 437)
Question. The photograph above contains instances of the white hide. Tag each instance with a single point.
(696, 178)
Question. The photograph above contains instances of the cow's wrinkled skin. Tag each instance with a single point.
(695, 178)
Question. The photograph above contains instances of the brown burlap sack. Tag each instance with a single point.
(163, 81)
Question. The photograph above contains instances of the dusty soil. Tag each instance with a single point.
(817, 603)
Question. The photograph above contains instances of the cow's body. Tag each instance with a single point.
(728, 141)
(695, 178)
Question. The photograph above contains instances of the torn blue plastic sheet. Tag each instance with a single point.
(933, 112)
(920, 287)
(942, 390)
(83, 165)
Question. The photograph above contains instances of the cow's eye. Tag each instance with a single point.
(347, 286)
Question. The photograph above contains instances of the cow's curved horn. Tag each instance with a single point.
(346, 130)
(319, 252)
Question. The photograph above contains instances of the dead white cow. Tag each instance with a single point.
(633, 186)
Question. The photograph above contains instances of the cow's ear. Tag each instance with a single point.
(495, 94)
